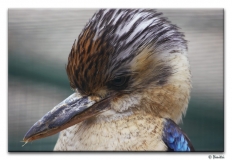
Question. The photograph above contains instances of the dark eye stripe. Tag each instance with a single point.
(118, 83)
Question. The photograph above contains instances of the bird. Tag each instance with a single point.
(131, 78)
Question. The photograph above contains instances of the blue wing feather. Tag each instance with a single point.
(175, 138)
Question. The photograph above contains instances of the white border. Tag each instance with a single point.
(113, 4)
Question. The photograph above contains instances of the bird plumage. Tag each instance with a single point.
(175, 138)
(132, 65)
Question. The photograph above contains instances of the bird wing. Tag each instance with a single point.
(175, 139)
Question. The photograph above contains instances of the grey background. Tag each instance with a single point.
(39, 42)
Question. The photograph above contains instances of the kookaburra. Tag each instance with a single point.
(132, 82)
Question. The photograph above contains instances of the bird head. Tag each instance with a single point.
(124, 62)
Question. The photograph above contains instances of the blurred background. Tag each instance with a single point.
(39, 42)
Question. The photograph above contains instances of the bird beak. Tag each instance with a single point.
(71, 111)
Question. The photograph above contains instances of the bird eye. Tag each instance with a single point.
(118, 83)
